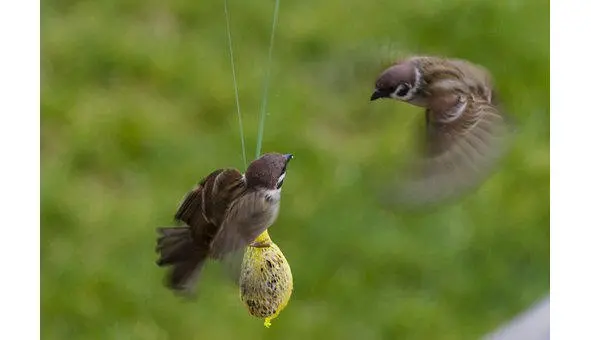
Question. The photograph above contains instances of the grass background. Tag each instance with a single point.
(137, 106)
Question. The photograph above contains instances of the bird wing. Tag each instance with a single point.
(478, 79)
(190, 209)
(246, 219)
(466, 135)
(202, 210)
(220, 193)
(204, 207)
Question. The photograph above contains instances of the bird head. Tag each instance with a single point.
(268, 171)
(400, 81)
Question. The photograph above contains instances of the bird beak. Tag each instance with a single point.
(288, 157)
(377, 94)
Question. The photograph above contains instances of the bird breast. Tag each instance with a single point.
(273, 195)
(272, 198)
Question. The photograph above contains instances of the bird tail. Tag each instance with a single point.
(178, 250)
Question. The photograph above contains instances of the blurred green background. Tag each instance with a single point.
(138, 105)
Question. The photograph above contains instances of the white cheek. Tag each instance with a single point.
(282, 177)
(411, 92)
(274, 195)
(417, 76)
(414, 89)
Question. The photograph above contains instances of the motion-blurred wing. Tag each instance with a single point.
(466, 136)
(246, 219)
(478, 79)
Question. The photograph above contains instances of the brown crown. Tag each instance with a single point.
(395, 75)
(265, 171)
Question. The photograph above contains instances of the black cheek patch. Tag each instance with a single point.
(402, 90)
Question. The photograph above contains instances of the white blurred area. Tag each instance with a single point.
(533, 324)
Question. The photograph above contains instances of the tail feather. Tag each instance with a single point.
(178, 249)
(172, 241)
(184, 276)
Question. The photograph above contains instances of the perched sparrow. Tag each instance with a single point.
(466, 130)
(223, 214)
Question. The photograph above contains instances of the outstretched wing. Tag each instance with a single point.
(212, 197)
(202, 210)
(246, 219)
(478, 79)
(190, 209)
(466, 136)
(220, 193)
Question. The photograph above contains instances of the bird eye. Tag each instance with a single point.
(402, 90)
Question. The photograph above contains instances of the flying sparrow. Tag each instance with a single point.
(224, 213)
(466, 130)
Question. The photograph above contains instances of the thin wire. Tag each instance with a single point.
(235, 83)
(266, 88)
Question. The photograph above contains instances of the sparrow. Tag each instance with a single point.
(224, 213)
(466, 130)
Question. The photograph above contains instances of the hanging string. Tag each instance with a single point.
(235, 82)
(266, 85)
